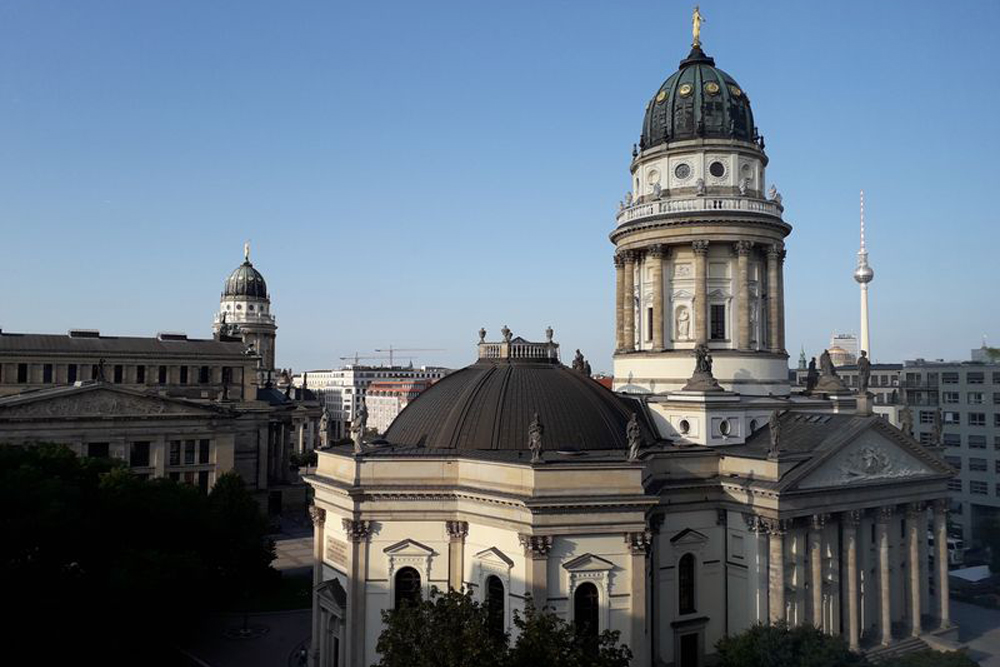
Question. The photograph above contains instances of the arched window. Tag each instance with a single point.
(586, 607)
(407, 586)
(495, 605)
(685, 584)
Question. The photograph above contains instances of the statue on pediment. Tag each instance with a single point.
(633, 435)
(535, 432)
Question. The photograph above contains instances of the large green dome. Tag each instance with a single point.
(697, 101)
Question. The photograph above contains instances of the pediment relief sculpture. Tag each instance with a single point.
(870, 457)
(95, 404)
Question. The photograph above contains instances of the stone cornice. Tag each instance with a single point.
(691, 219)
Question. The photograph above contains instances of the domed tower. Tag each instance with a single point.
(245, 310)
(699, 243)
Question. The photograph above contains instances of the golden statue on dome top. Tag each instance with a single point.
(696, 20)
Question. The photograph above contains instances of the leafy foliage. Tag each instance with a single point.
(931, 659)
(780, 646)
(108, 562)
(453, 630)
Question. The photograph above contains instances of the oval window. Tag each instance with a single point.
(724, 427)
(717, 169)
(682, 171)
(684, 426)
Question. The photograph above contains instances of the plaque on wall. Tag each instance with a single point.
(336, 551)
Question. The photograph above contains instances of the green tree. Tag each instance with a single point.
(780, 646)
(931, 659)
(546, 639)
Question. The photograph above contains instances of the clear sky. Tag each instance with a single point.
(410, 171)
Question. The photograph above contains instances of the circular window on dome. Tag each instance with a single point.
(712, 88)
(684, 426)
(724, 427)
(717, 169)
(239, 307)
(685, 90)
(682, 171)
(662, 96)
(735, 91)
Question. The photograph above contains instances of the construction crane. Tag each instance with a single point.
(392, 350)
(357, 358)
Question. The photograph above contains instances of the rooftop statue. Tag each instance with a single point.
(702, 378)
(906, 421)
(812, 376)
(535, 431)
(358, 427)
(633, 435)
(864, 373)
(774, 426)
(579, 362)
(696, 20)
(506, 334)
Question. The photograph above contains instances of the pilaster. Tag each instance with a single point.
(457, 532)
(358, 532)
(536, 549)
(638, 544)
(655, 256)
(743, 249)
(318, 516)
(700, 248)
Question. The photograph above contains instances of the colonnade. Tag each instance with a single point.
(628, 261)
(848, 562)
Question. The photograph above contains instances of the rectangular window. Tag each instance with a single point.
(975, 377)
(977, 465)
(175, 453)
(996, 378)
(952, 440)
(139, 454)
(954, 461)
(718, 322)
(119, 373)
(949, 397)
(996, 466)
(184, 374)
(203, 450)
(949, 378)
(996, 398)
(951, 418)
(204, 375)
(926, 417)
(977, 419)
(97, 450)
(188, 452)
(996, 490)
(162, 375)
(955, 485)
(977, 442)
(47, 373)
(22, 373)
(975, 398)
(140, 374)
(95, 372)
(925, 438)
(977, 488)
(71, 373)
(203, 481)
(996, 442)
(996, 419)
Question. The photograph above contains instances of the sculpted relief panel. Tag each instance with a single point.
(94, 403)
(870, 457)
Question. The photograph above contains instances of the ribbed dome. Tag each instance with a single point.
(245, 281)
(489, 406)
(698, 100)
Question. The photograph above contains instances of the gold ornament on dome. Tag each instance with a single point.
(685, 90)
(662, 96)
(735, 90)
(712, 88)
(696, 20)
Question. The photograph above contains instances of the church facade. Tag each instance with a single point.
(701, 496)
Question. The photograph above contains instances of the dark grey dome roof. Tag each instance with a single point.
(698, 100)
(245, 281)
(490, 404)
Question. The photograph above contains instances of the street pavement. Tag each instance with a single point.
(979, 628)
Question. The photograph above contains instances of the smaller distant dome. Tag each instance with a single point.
(245, 281)
(841, 357)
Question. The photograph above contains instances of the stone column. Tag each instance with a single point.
(619, 301)
(628, 302)
(743, 293)
(656, 254)
(914, 519)
(457, 532)
(701, 309)
(319, 519)
(776, 569)
(850, 521)
(781, 298)
(941, 559)
(536, 549)
(816, 567)
(638, 546)
(760, 598)
(884, 518)
(358, 532)
(773, 298)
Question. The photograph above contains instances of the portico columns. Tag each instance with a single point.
(358, 532)
(743, 291)
(457, 532)
(319, 519)
(537, 548)
(885, 598)
(619, 301)
(773, 298)
(941, 558)
(700, 248)
(655, 255)
(915, 518)
(628, 302)
(816, 567)
(849, 522)
(638, 546)
(781, 298)
(776, 569)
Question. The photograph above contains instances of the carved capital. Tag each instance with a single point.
(629, 256)
(358, 530)
(818, 521)
(852, 517)
(743, 247)
(775, 250)
(781, 255)
(885, 514)
(638, 542)
(457, 530)
(915, 510)
(775, 526)
(318, 515)
(941, 506)
(658, 251)
(754, 523)
(700, 247)
(535, 546)
(619, 260)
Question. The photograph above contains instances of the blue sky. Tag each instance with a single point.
(408, 172)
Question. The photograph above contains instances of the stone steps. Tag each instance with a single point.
(898, 648)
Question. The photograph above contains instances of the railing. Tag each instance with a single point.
(705, 203)
(519, 350)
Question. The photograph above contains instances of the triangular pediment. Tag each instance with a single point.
(688, 537)
(95, 400)
(494, 556)
(877, 454)
(408, 547)
(588, 563)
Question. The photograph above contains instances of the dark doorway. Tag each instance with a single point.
(586, 607)
(407, 586)
(495, 605)
(689, 650)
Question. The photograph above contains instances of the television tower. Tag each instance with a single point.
(864, 274)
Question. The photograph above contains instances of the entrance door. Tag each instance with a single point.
(689, 650)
